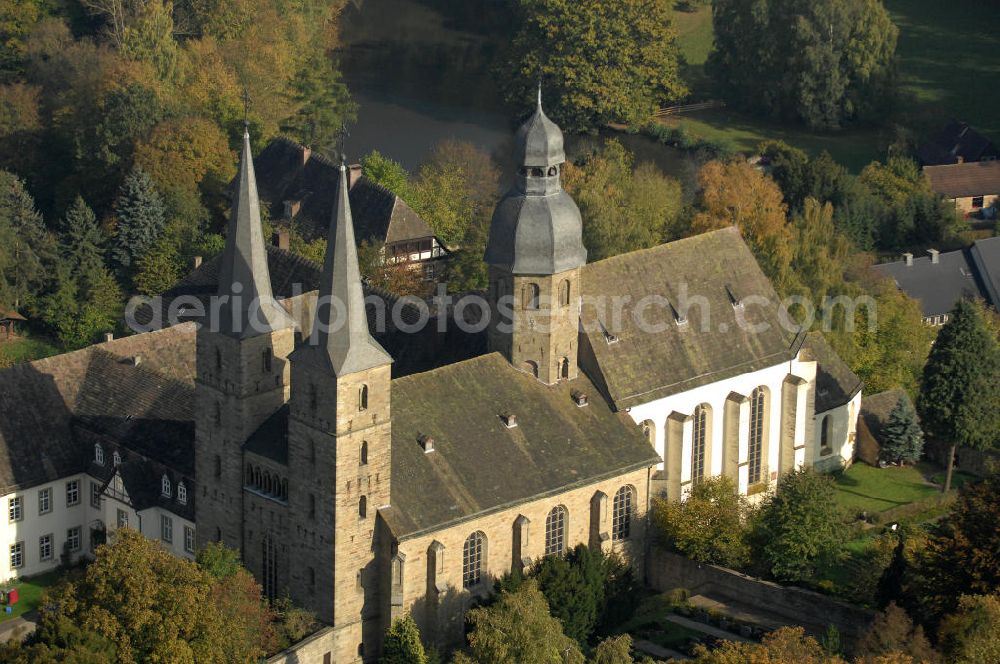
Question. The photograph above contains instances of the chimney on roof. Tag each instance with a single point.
(136, 360)
(306, 153)
(353, 175)
(280, 238)
(959, 159)
(935, 256)
(509, 419)
(908, 257)
(197, 262)
(579, 398)
(109, 336)
(426, 442)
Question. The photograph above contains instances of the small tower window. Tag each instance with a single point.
(165, 486)
(267, 356)
(312, 398)
(218, 466)
(364, 453)
(530, 296)
(218, 360)
(553, 171)
(537, 172)
(182, 493)
(363, 398)
(98, 454)
(363, 507)
(564, 368)
(564, 293)
(532, 368)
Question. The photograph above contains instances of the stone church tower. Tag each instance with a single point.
(339, 450)
(242, 369)
(535, 252)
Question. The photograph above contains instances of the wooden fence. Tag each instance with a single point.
(688, 108)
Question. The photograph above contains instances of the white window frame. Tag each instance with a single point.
(166, 489)
(182, 494)
(166, 529)
(72, 493)
(189, 539)
(98, 454)
(74, 538)
(46, 547)
(15, 509)
(45, 500)
(95, 494)
(17, 555)
(122, 518)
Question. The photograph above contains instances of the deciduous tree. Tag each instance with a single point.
(971, 635)
(402, 643)
(599, 61)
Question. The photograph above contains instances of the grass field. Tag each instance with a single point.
(949, 66)
(30, 593)
(862, 487)
(25, 349)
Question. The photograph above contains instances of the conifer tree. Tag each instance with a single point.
(141, 217)
(402, 643)
(26, 247)
(81, 242)
(959, 400)
(903, 440)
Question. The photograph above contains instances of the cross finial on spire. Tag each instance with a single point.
(246, 109)
(344, 134)
(539, 93)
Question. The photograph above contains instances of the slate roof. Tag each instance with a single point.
(876, 409)
(42, 402)
(955, 140)
(283, 173)
(270, 440)
(478, 465)
(938, 286)
(141, 479)
(645, 365)
(836, 384)
(980, 178)
(985, 256)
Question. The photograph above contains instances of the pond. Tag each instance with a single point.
(419, 79)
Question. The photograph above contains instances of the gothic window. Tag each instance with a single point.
(257, 478)
(555, 531)
(826, 436)
(267, 482)
(537, 172)
(284, 489)
(363, 398)
(529, 296)
(564, 368)
(621, 513)
(182, 493)
(564, 293)
(699, 435)
(364, 452)
(267, 356)
(363, 507)
(165, 486)
(269, 568)
(472, 559)
(757, 403)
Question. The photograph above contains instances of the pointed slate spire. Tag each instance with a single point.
(249, 308)
(340, 331)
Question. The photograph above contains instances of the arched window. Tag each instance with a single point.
(757, 413)
(564, 293)
(555, 531)
(826, 436)
(182, 493)
(284, 489)
(621, 513)
(267, 482)
(553, 171)
(363, 507)
(258, 480)
(116, 459)
(165, 486)
(364, 452)
(249, 475)
(649, 430)
(472, 559)
(363, 398)
(529, 296)
(532, 368)
(699, 435)
(98, 454)
(564, 368)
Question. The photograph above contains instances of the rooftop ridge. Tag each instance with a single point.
(671, 244)
(494, 356)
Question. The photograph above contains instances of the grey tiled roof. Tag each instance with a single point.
(876, 409)
(836, 384)
(712, 345)
(478, 465)
(938, 286)
(986, 259)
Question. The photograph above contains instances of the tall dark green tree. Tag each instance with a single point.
(402, 643)
(324, 104)
(959, 401)
(826, 63)
(798, 527)
(599, 61)
(141, 217)
(26, 247)
(902, 437)
(81, 243)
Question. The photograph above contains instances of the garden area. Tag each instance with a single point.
(30, 592)
(941, 51)
(25, 349)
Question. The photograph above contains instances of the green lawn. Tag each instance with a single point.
(30, 593)
(862, 487)
(949, 66)
(26, 349)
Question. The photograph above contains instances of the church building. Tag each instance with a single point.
(365, 488)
